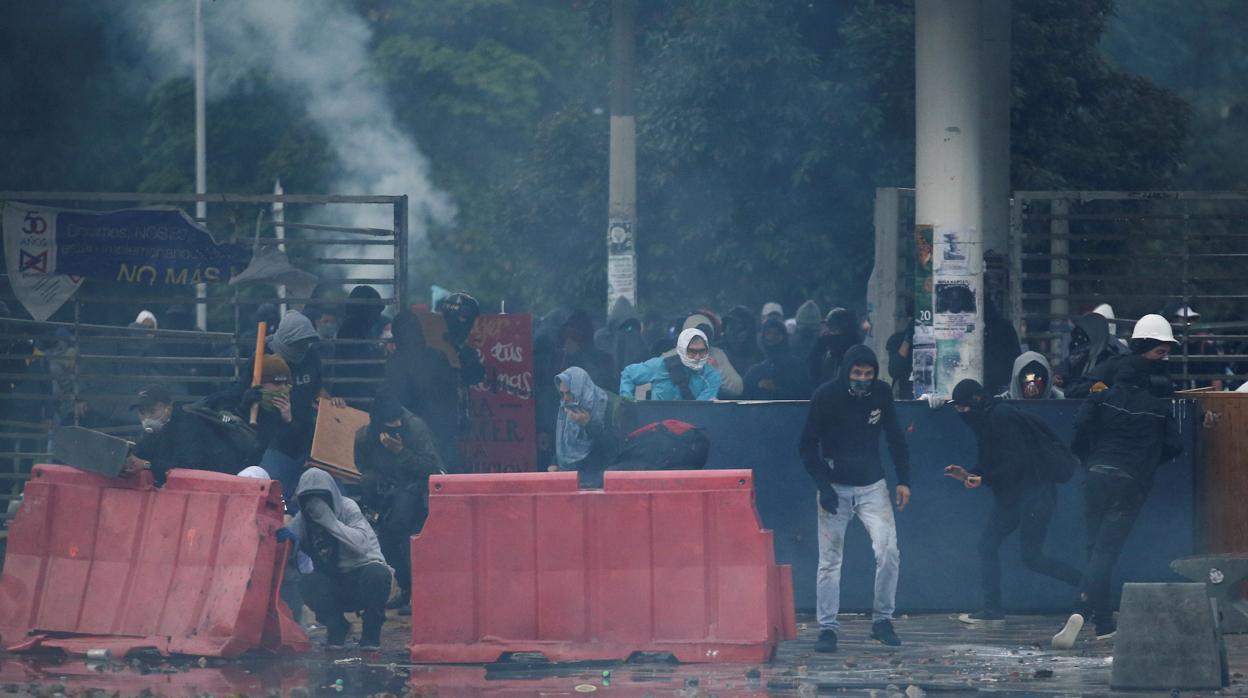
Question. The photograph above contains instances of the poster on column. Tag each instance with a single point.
(922, 375)
(502, 436)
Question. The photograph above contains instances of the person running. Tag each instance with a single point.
(1020, 460)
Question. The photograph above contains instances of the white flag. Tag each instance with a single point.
(30, 260)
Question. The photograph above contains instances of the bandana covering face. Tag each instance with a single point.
(682, 348)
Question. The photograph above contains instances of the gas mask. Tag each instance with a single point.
(1034, 386)
(153, 423)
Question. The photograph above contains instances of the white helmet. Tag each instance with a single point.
(1153, 327)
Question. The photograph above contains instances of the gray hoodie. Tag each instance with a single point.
(357, 543)
(1016, 387)
(294, 327)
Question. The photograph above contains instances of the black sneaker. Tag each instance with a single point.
(1106, 631)
(826, 641)
(982, 618)
(336, 635)
(882, 630)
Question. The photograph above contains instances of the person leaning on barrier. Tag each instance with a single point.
(175, 438)
(681, 374)
(349, 572)
(396, 454)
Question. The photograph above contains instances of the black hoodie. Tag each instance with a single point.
(841, 441)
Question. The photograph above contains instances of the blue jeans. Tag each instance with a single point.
(872, 505)
(286, 470)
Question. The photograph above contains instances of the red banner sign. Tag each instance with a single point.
(503, 433)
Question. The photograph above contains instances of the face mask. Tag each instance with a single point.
(693, 364)
(152, 424)
(1033, 386)
(267, 396)
(860, 388)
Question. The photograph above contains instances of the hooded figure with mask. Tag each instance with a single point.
(1122, 435)
(1033, 379)
(782, 374)
(591, 426)
(424, 382)
(350, 573)
(681, 374)
(731, 382)
(395, 454)
(173, 438)
(840, 447)
(843, 332)
(294, 343)
(1021, 460)
(1090, 347)
(741, 338)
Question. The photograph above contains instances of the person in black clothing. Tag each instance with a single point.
(900, 348)
(840, 447)
(741, 338)
(1020, 459)
(175, 438)
(396, 455)
(424, 382)
(1122, 435)
(360, 322)
(781, 375)
(842, 333)
(1092, 351)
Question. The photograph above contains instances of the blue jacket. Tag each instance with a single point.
(704, 384)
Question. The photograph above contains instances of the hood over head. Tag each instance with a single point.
(579, 328)
(1095, 338)
(1023, 360)
(407, 331)
(267, 313)
(294, 327)
(687, 335)
(623, 316)
(774, 324)
(740, 327)
(772, 307)
(857, 354)
(315, 481)
(573, 442)
(842, 321)
(147, 315)
(702, 322)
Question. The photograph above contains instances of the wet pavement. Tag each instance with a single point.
(940, 656)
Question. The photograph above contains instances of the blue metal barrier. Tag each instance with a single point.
(938, 532)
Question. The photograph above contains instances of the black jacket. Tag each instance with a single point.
(187, 441)
(1127, 428)
(1014, 448)
(845, 430)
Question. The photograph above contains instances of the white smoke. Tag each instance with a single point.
(318, 50)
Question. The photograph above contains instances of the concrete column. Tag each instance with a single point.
(961, 166)
(622, 185)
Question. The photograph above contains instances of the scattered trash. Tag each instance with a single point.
(99, 654)
(1044, 673)
(913, 691)
(851, 662)
(203, 662)
(753, 673)
(585, 688)
(348, 661)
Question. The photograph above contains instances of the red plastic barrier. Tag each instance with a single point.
(191, 568)
(654, 562)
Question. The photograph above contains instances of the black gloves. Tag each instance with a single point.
(828, 497)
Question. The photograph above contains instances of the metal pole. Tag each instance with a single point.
(279, 232)
(957, 64)
(622, 204)
(201, 167)
(400, 252)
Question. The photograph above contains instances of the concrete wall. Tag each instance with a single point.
(938, 531)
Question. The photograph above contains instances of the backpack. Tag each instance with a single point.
(667, 445)
(238, 441)
(1053, 459)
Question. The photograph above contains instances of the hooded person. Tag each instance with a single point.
(732, 384)
(396, 455)
(423, 381)
(1122, 435)
(361, 321)
(900, 348)
(1032, 379)
(1152, 338)
(771, 309)
(1021, 460)
(174, 438)
(808, 322)
(590, 428)
(290, 440)
(842, 333)
(147, 319)
(741, 338)
(681, 374)
(350, 573)
(623, 338)
(1089, 347)
(840, 448)
(782, 374)
(576, 344)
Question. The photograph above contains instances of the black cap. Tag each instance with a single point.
(150, 395)
(966, 392)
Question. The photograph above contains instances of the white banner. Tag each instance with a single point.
(30, 260)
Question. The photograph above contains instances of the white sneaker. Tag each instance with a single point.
(1065, 639)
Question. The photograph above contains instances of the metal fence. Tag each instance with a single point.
(85, 365)
(1141, 252)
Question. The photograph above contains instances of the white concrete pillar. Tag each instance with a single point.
(961, 167)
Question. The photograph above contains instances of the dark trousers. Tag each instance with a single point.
(1112, 502)
(1027, 508)
(332, 594)
(403, 515)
